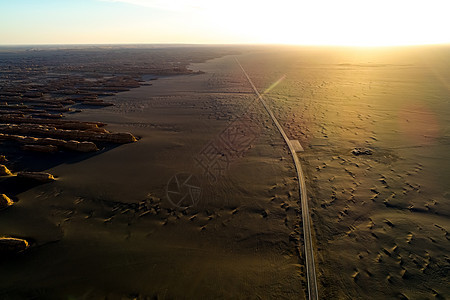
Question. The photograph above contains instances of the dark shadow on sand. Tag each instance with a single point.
(22, 160)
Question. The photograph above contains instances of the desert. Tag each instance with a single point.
(156, 172)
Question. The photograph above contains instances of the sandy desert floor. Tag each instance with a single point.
(108, 227)
(381, 220)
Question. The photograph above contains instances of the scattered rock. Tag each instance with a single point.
(4, 171)
(5, 201)
(12, 245)
(3, 158)
(389, 223)
(356, 275)
(405, 274)
(37, 176)
(362, 151)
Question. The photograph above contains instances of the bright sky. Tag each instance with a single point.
(319, 22)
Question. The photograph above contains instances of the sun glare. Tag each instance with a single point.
(300, 22)
(330, 22)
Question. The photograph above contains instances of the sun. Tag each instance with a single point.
(332, 22)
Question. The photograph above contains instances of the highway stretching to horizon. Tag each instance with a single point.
(309, 250)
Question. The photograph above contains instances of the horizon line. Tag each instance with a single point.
(221, 44)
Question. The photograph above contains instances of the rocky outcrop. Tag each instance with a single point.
(80, 146)
(12, 245)
(119, 137)
(98, 103)
(69, 145)
(13, 107)
(49, 116)
(41, 148)
(4, 171)
(37, 176)
(3, 159)
(5, 201)
(362, 151)
(63, 124)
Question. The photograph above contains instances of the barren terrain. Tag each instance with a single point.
(204, 204)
